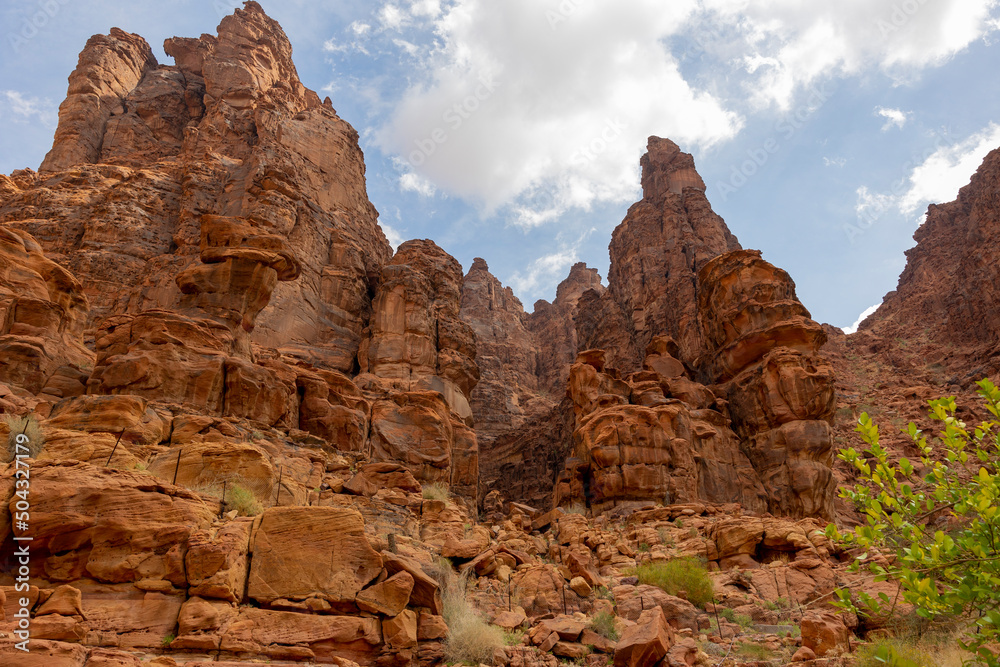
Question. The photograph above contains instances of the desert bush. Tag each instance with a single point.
(436, 491)
(603, 624)
(241, 499)
(753, 651)
(470, 638)
(681, 574)
(910, 652)
(575, 508)
(26, 425)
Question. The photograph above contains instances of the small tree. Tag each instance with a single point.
(953, 572)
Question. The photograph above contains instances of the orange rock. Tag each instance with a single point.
(64, 600)
(301, 552)
(418, 342)
(389, 597)
(763, 346)
(426, 591)
(216, 561)
(825, 632)
(646, 642)
(401, 631)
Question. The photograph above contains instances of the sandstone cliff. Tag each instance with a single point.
(946, 304)
(143, 151)
(656, 253)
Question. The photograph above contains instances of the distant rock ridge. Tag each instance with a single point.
(946, 303)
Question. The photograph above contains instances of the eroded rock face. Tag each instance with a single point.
(144, 151)
(417, 340)
(763, 350)
(199, 354)
(947, 293)
(651, 436)
(42, 315)
(555, 329)
(507, 354)
(656, 253)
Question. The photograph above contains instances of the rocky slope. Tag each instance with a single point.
(946, 302)
(268, 437)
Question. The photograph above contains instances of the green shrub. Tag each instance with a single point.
(26, 425)
(166, 640)
(470, 637)
(728, 614)
(942, 574)
(436, 491)
(753, 651)
(603, 624)
(681, 574)
(642, 548)
(604, 593)
(743, 620)
(892, 653)
(513, 637)
(239, 498)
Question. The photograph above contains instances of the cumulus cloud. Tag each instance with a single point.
(535, 108)
(893, 118)
(21, 108)
(789, 45)
(392, 235)
(519, 104)
(861, 318)
(936, 178)
(544, 270)
(939, 177)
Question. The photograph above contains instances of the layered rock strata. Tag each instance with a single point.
(144, 150)
(656, 253)
(651, 435)
(762, 350)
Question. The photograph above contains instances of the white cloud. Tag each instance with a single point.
(871, 205)
(21, 108)
(861, 318)
(533, 109)
(428, 8)
(544, 271)
(835, 161)
(391, 235)
(894, 117)
(411, 182)
(520, 113)
(938, 178)
(392, 17)
(790, 45)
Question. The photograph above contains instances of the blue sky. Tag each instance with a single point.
(512, 130)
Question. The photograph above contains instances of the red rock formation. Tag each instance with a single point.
(143, 151)
(421, 359)
(656, 253)
(199, 355)
(555, 330)
(42, 315)
(946, 303)
(651, 436)
(417, 341)
(762, 348)
(507, 354)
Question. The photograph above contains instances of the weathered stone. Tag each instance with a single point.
(301, 552)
